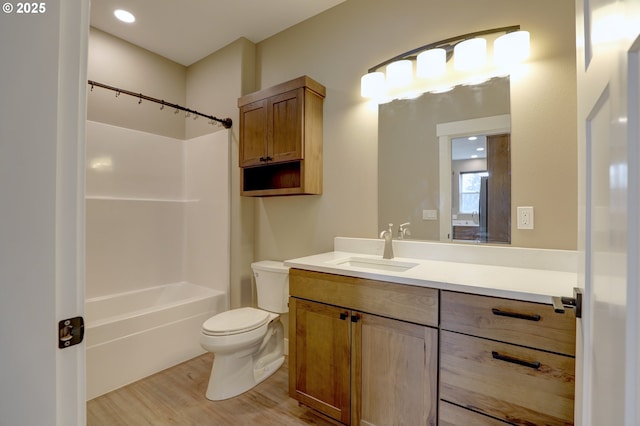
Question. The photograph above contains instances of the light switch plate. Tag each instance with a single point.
(525, 217)
(429, 214)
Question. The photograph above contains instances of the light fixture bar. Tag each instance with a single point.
(446, 44)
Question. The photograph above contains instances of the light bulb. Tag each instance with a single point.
(399, 73)
(372, 85)
(431, 63)
(124, 16)
(470, 54)
(511, 48)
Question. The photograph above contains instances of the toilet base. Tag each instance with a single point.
(232, 375)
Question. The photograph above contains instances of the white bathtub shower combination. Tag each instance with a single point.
(157, 220)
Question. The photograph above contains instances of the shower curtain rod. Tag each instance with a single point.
(226, 122)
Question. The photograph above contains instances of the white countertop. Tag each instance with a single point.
(535, 284)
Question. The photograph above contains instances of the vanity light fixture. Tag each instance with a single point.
(432, 62)
(124, 16)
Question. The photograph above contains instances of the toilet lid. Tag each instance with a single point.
(235, 321)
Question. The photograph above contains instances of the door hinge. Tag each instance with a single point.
(559, 303)
(70, 332)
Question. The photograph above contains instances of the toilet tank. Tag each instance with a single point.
(272, 285)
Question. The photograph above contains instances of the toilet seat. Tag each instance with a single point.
(235, 321)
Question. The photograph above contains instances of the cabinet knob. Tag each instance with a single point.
(344, 315)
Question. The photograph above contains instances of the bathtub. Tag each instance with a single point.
(138, 333)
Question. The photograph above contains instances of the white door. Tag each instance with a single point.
(608, 79)
(42, 121)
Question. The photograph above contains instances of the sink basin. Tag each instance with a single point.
(375, 264)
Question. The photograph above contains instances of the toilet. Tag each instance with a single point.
(248, 343)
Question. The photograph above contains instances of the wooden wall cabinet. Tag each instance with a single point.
(363, 351)
(281, 139)
(504, 359)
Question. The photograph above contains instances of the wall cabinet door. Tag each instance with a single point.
(319, 364)
(253, 127)
(394, 372)
(272, 129)
(284, 113)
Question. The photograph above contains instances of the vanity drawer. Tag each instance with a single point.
(520, 385)
(404, 302)
(524, 323)
(452, 415)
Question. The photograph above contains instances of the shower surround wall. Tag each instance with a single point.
(157, 242)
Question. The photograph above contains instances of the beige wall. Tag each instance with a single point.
(338, 46)
(123, 65)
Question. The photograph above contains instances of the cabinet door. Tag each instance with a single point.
(395, 370)
(319, 357)
(286, 131)
(253, 133)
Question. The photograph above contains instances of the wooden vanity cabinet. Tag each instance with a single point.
(363, 351)
(281, 139)
(505, 359)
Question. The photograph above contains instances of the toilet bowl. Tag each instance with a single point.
(248, 343)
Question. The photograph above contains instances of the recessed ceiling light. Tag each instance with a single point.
(480, 149)
(473, 138)
(124, 16)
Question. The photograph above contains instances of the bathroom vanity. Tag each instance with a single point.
(427, 339)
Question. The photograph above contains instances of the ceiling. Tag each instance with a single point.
(186, 31)
(465, 148)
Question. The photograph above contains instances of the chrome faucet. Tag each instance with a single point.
(387, 234)
(403, 231)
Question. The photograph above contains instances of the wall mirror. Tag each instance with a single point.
(420, 171)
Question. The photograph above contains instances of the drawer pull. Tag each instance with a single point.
(535, 365)
(534, 317)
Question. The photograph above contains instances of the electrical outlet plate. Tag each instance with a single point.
(525, 217)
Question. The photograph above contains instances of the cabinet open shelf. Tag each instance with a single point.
(279, 179)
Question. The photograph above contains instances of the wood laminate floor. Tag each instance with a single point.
(176, 397)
